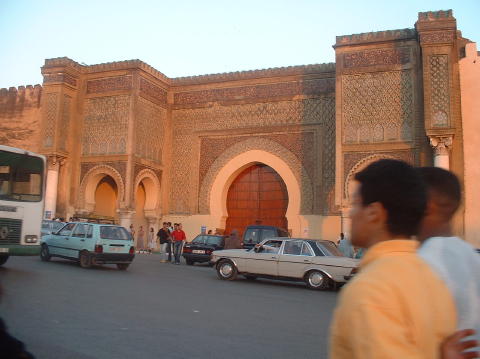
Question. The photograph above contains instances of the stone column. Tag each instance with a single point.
(441, 146)
(125, 217)
(53, 169)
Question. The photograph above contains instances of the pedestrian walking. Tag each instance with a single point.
(345, 246)
(455, 260)
(387, 310)
(164, 239)
(233, 241)
(178, 236)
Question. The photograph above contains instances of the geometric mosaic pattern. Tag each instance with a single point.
(105, 125)
(378, 107)
(439, 90)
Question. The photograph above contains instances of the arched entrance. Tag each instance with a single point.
(106, 195)
(258, 195)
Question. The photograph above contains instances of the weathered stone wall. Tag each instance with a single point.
(20, 117)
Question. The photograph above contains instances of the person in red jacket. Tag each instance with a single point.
(178, 236)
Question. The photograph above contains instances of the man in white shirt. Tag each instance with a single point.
(453, 259)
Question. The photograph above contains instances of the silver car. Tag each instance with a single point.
(316, 262)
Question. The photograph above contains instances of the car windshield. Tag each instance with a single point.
(329, 248)
(111, 232)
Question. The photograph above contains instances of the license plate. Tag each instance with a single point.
(3, 250)
(197, 251)
(115, 249)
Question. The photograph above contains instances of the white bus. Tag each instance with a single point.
(22, 197)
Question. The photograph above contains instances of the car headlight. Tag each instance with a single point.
(31, 238)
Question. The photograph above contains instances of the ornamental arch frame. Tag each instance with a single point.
(225, 169)
(151, 184)
(89, 183)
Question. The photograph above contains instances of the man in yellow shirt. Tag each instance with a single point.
(396, 307)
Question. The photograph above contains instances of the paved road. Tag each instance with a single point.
(159, 310)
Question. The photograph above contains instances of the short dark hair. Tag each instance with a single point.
(399, 188)
(444, 184)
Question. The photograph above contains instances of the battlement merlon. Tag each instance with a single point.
(436, 20)
(327, 68)
(376, 36)
(27, 94)
(55, 68)
(62, 65)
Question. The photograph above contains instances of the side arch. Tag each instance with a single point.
(360, 165)
(90, 181)
(152, 189)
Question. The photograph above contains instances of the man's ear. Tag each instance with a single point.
(376, 213)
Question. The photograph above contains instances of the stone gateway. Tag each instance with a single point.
(277, 146)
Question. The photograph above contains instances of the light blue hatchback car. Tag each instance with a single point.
(90, 244)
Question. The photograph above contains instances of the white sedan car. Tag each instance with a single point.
(316, 262)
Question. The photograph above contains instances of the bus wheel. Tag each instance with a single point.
(44, 253)
(85, 260)
(3, 258)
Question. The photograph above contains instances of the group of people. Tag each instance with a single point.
(411, 298)
(171, 241)
(142, 244)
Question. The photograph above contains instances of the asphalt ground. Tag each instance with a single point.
(159, 310)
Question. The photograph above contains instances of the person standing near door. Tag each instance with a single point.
(141, 240)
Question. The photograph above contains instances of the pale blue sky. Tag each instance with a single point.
(183, 38)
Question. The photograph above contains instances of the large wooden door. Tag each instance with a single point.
(257, 196)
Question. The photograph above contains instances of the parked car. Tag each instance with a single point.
(201, 248)
(89, 244)
(49, 226)
(256, 233)
(316, 262)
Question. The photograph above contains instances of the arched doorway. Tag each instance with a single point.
(258, 195)
(106, 195)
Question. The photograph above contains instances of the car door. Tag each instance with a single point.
(265, 261)
(77, 240)
(58, 244)
(295, 257)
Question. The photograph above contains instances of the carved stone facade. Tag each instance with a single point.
(440, 94)
(105, 125)
(182, 141)
(379, 108)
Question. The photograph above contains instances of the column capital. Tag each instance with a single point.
(441, 144)
(54, 162)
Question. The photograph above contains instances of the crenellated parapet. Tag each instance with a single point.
(377, 36)
(435, 15)
(253, 74)
(14, 100)
(64, 62)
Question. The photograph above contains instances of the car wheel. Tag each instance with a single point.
(85, 260)
(122, 266)
(190, 262)
(316, 280)
(45, 253)
(226, 270)
(250, 277)
(3, 258)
